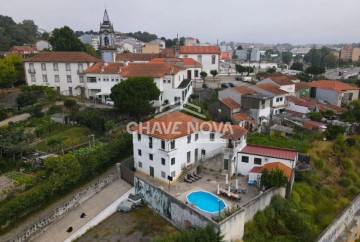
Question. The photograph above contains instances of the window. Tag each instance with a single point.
(189, 138)
(279, 99)
(150, 142)
(213, 59)
(151, 157)
(173, 174)
(196, 137)
(163, 174)
(139, 137)
(169, 81)
(163, 161)
(45, 78)
(57, 78)
(257, 161)
(67, 65)
(199, 59)
(68, 78)
(173, 161)
(164, 81)
(33, 78)
(56, 67)
(163, 144)
(140, 164)
(43, 66)
(203, 152)
(31, 66)
(188, 157)
(81, 79)
(70, 91)
(172, 143)
(139, 152)
(212, 136)
(245, 159)
(80, 67)
(196, 73)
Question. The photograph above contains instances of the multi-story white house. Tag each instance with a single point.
(283, 82)
(272, 90)
(166, 145)
(207, 56)
(61, 70)
(100, 78)
(171, 80)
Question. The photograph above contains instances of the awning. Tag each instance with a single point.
(101, 93)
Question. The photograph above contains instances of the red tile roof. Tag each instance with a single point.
(294, 113)
(294, 99)
(225, 55)
(24, 48)
(239, 117)
(335, 108)
(199, 50)
(244, 90)
(311, 124)
(301, 85)
(177, 61)
(149, 69)
(307, 104)
(282, 80)
(167, 53)
(269, 151)
(230, 103)
(271, 166)
(332, 85)
(131, 57)
(107, 68)
(272, 88)
(177, 124)
(62, 57)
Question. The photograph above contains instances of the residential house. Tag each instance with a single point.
(151, 48)
(24, 51)
(226, 56)
(159, 42)
(282, 81)
(257, 106)
(100, 78)
(242, 55)
(235, 93)
(61, 70)
(256, 171)
(189, 41)
(300, 105)
(313, 125)
(272, 90)
(244, 121)
(334, 92)
(302, 89)
(281, 130)
(255, 55)
(207, 56)
(170, 79)
(223, 109)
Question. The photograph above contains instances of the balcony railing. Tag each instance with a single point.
(31, 71)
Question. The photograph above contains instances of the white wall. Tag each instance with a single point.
(287, 88)
(104, 82)
(293, 107)
(206, 61)
(330, 96)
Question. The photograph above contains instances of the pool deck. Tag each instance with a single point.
(209, 182)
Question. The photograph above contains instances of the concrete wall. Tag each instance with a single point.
(333, 231)
(60, 211)
(330, 96)
(100, 217)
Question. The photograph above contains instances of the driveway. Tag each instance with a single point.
(15, 119)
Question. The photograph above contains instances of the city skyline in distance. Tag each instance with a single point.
(277, 21)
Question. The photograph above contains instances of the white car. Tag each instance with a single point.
(108, 101)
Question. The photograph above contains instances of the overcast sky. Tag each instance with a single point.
(260, 21)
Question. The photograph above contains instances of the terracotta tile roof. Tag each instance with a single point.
(269, 151)
(244, 90)
(107, 68)
(332, 85)
(225, 55)
(272, 88)
(336, 109)
(309, 124)
(271, 166)
(149, 69)
(301, 85)
(281, 80)
(294, 99)
(305, 98)
(177, 124)
(297, 114)
(230, 103)
(62, 57)
(307, 104)
(24, 48)
(199, 50)
(135, 57)
(189, 62)
(241, 117)
(167, 53)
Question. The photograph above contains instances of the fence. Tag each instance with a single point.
(126, 170)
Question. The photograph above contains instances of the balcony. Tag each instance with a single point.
(31, 71)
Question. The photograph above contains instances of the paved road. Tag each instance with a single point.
(91, 207)
(346, 72)
(15, 119)
(10, 99)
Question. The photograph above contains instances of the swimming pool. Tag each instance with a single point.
(206, 201)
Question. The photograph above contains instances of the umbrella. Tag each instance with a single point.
(226, 179)
(218, 190)
(236, 184)
(229, 191)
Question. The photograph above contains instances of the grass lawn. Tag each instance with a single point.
(20, 178)
(71, 136)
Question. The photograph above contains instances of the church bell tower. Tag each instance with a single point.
(107, 39)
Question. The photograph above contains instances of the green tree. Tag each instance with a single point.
(315, 70)
(271, 70)
(315, 116)
(26, 99)
(134, 96)
(65, 171)
(286, 57)
(203, 75)
(297, 66)
(332, 131)
(64, 39)
(303, 76)
(12, 70)
(214, 73)
(91, 119)
(273, 178)
(240, 68)
(90, 50)
(30, 29)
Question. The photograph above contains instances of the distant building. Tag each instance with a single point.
(242, 55)
(42, 44)
(86, 39)
(189, 41)
(207, 56)
(159, 42)
(151, 48)
(350, 54)
(255, 55)
(24, 51)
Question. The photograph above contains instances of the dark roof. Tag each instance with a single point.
(62, 57)
(184, 83)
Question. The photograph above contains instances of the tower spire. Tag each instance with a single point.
(106, 16)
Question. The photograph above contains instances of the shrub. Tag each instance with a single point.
(348, 164)
(70, 103)
(319, 164)
(345, 181)
(353, 191)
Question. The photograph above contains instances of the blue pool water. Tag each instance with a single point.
(206, 201)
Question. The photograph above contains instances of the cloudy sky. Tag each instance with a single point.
(261, 21)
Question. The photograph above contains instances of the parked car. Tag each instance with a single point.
(126, 206)
(205, 85)
(108, 101)
(231, 84)
(225, 85)
(238, 78)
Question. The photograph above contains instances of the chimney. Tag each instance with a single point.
(101, 69)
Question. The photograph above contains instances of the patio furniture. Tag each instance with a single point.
(190, 178)
(196, 175)
(187, 180)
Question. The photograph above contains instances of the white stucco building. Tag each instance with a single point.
(283, 82)
(207, 56)
(61, 70)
